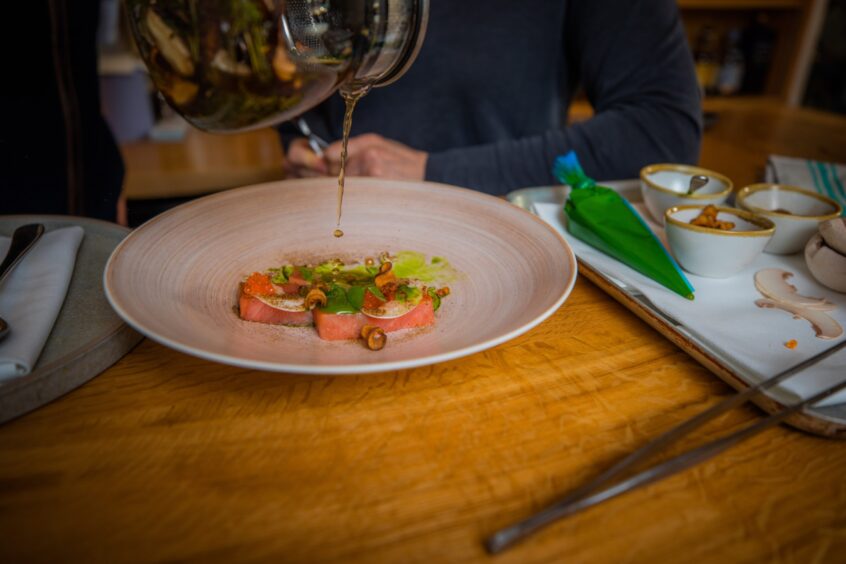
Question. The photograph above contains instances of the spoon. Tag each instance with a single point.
(23, 240)
(696, 182)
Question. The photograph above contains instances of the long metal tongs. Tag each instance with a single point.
(584, 497)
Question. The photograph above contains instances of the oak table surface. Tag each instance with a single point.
(168, 457)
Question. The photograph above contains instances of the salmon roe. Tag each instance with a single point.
(791, 344)
(258, 284)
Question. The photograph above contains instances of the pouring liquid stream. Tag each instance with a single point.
(351, 97)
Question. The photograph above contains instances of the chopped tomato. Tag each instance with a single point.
(297, 278)
(258, 284)
(371, 301)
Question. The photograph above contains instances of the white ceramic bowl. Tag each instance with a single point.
(716, 253)
(796, 213)
(665, 185)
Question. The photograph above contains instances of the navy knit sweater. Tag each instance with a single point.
(489, 92)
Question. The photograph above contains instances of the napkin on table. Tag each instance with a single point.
(724, 315)
(829, 179)
(32, 296)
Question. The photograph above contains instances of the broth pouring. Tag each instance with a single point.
(351, 97)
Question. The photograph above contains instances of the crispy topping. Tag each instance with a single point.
(374, 337)
(386, 279)
(315, 297)
(708, 218)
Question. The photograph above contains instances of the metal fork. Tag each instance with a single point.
(583, 497)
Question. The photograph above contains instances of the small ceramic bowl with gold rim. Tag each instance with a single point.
(666, 185)
(716, 252)
(795, 211)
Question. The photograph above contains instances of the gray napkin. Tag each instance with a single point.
(32, 296)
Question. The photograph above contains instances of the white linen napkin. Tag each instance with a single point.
(724, 315)
(829, 179)
(32, 296)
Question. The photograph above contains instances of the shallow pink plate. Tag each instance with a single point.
(175, 278)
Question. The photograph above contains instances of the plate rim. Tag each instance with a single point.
(338, 369)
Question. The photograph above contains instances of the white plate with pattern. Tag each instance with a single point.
(175, 279)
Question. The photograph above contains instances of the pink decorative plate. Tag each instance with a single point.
(175, 278)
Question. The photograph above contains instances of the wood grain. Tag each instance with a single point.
(201, 163)
(168, 457)
(747, 131)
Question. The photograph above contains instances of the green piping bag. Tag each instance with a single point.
(602, 218)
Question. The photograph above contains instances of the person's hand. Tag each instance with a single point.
(302, 162)
(373, 155)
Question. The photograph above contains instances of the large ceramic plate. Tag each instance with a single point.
(175, 278)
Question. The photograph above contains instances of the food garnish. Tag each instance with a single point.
(349, 301)
(374, 337)
(791, 344)
(708, 218)
(315, 297)
(258, 284)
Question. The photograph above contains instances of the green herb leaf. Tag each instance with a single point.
(307, 273)
(277, 275)
(407, 293)
(410, 264)
(377, 292)
(436, 299)
(337, 301)
(355, 296)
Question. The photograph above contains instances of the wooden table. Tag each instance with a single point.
(167, 457)
(201, 163)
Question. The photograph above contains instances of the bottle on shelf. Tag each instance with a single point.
(758, 44)
(706, 56)
(730, 78)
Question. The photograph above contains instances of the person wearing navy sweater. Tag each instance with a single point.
(485, 104)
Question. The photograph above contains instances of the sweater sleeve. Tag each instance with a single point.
(637, 72)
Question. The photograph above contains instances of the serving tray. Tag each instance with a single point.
(88, 336)
(829, 421)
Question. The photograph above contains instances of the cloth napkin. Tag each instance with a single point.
(724, 316)
(32, 295)
(829, 179)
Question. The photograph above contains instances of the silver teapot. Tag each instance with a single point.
(231, 65)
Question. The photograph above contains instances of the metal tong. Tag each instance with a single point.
(590, 494)
(317, 143)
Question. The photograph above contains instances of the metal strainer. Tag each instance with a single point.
(383, 37)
